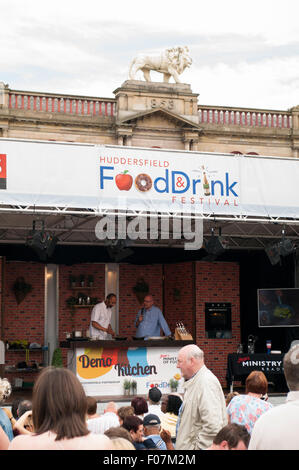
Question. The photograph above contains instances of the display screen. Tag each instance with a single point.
(278, 307)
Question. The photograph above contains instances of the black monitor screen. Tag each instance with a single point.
(278, 307)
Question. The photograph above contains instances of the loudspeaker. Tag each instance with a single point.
(273, 253)
(42, 244)
(216, 245)
(118, 250)
(286, 247)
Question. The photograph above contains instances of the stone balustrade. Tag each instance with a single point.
(244, 117)
(106, 107)
(63, 104)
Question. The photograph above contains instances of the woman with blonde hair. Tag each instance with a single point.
(59, 408)
(6, 418)
(246, 409)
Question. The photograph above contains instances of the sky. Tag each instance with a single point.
(245, 54)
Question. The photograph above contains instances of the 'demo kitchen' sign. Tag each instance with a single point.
(102, 371)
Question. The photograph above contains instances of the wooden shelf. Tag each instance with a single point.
(83, 288)
(84, 306)
(21, 350)
(22, 371)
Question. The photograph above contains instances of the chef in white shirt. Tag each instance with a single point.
(100, 326)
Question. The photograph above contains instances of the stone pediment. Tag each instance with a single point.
(157, 117)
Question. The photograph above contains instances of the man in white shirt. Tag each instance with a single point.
(108, 420)
(100, 326)
(154, 397)
(278, 428)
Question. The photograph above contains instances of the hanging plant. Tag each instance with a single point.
(21, 289)
(71, 302)
(141, 289)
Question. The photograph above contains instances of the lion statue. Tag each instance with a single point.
(171, 62)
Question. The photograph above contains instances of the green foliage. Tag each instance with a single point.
(57, 358)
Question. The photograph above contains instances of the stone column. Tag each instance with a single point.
(124, 135)
(295, 131)
(4, 92)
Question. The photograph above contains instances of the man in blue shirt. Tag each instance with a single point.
(150, 320)
(151, 430)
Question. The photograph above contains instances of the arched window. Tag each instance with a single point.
(236, 152)
(252, 153)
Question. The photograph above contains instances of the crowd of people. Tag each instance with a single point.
(60, 415)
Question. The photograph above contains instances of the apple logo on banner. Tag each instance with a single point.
(124, 181)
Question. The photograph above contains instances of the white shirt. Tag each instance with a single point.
(102, 315)
(100, 425)
(154, 410)
(278, 428)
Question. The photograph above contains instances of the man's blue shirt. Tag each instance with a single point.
(153, 321)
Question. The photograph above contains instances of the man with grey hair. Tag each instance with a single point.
(108, 420)
(278, 428)
(203, 412)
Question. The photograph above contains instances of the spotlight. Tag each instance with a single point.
(282, 248)
(42, 243)
(216, 245)
(118, 250)
(286, 247)
(273, 253)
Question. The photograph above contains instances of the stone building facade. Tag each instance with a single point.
(149, 114)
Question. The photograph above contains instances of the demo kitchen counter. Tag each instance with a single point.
(113, 367)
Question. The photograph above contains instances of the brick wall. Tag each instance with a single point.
(178, 279)
(217, 282)
(26, 319)
(128, 303)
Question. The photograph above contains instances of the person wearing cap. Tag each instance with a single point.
(151, 430)
(150, 320)
(154, 397)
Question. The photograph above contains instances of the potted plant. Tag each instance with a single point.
(73, 280)
(134, 387)
(57, 358)
(71, 302)
(82, 280)
(140, 289)
(21, 289)
(127, 386)
(90, 280)
(173, 385)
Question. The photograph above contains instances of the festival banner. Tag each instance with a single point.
(104, 371)
(103, 178)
